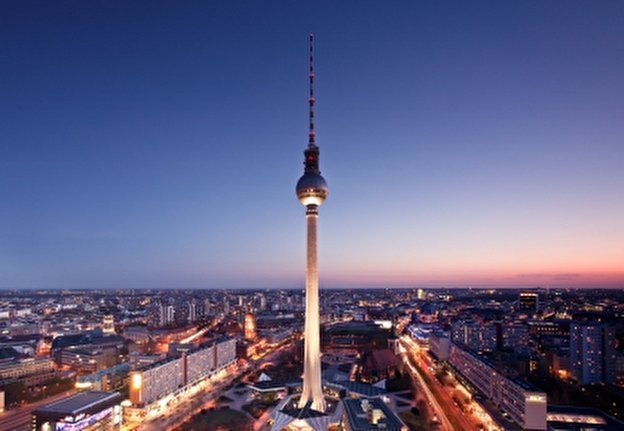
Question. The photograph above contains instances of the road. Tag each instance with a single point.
(20, 418)
(476, 415)
(451, 416)
(460, 420)
(415, 373)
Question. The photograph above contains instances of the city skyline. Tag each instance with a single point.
(152, 145)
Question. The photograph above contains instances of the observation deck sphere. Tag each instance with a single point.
(312, 189)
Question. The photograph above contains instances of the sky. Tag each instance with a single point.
(153, 144)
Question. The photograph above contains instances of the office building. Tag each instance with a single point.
(528, 301)
(481, 337)
(250, 327)
(192, 311)
(162, 378)
(592, 353)
(524, 404)
(108, 324)
(88, 359)
(29, 371)
(439, 344)
(167, 314)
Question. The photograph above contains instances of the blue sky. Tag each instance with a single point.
(157, 144)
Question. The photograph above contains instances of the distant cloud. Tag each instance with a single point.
(555, 276)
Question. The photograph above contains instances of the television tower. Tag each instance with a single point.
(312, 191)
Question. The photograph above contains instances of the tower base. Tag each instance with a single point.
(287, 416)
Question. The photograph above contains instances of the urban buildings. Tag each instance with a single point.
(535, 348)
(30, 371)
(88, 359)
(156, 381)
(528, 301)
(592, 353)
(440, 345)
(479, 336)
(370, 414)
(85, 410)
(167, 314)
(524, 404)
(159, 379)
(250, 326)
(192, 311)
(108, 324)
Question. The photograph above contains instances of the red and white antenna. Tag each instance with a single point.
(311, 135)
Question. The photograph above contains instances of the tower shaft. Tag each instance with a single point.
(312, 388)
(312, 191)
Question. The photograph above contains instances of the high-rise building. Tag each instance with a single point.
(192, 311)
(160, 379)
(513, 335)
(226, 306)
(167, 314)
(524, 404)
(250, 327)
(108, 324)
(479, 336)
(592, 353)
(528, 301)
(312, 191)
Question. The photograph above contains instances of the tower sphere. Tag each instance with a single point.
(312, 189)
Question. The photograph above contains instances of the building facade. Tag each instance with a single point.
(592, 353)
(92, 410)
(159, 379)
(525, 405)
(479, 336)
(439, 345)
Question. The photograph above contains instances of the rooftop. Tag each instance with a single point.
(573, 418)
(371, 414)
(360, 388)
(83, 402)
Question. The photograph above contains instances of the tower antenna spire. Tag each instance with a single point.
(311, 135)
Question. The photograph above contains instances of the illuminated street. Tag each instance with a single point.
(448, 412)
(20, 418)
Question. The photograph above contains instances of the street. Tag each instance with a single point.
(440, 397)
(20, 418)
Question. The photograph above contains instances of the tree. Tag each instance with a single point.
(14, 393)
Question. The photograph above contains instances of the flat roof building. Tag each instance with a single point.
(154, 381)
(93, 409)
(439, 344)
(525, 405)
(370, 414)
